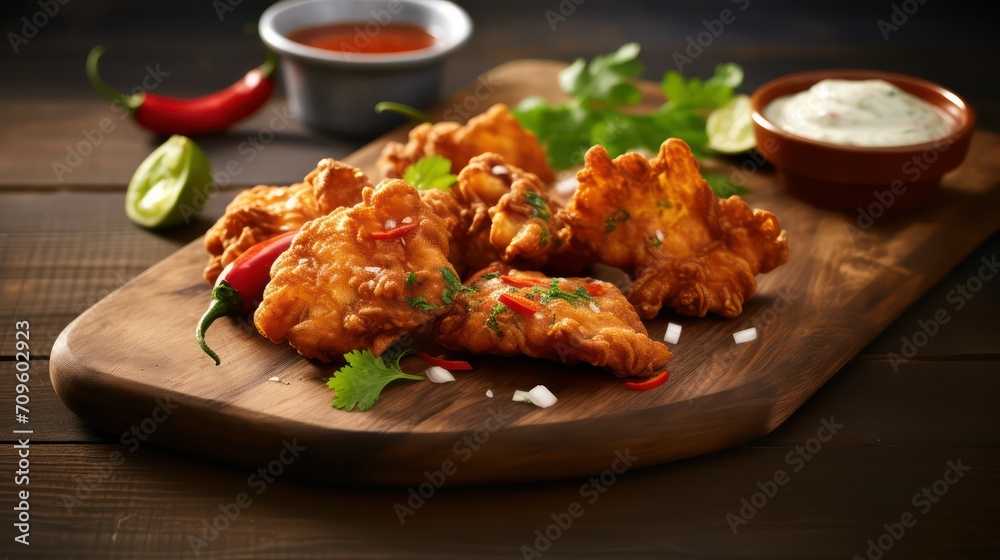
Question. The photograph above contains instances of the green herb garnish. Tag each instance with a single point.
(431, 172)
(723, 187)
(453, 286)
(539, 203)
(420, 303)
(360, 382)
(411, 279)
(605, 85)
(615, 219)
(490, 276)
(492, 323)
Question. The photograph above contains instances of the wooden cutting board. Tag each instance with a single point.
(130, 364)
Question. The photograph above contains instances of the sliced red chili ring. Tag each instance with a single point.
(454, 365)
(517, 303)
(649, 383)
(394, 232)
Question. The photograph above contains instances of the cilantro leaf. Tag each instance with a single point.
(723, 187)
(600, 88)
(606, 79)
(431, 172)
(360, 382)
(453, 286)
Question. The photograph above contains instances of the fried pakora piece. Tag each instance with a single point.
(264, 212)
(495, 211)
(571, 320)
(496, 131)
(659, 221)
(360, 277)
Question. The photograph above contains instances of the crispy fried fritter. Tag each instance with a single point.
(494, 211)
(574, 320)
(659, 221)
(338, 288)
(263, 212)
(496, 131)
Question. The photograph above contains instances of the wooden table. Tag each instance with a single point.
(928, 426)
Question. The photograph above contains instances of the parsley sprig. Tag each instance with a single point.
(605, 85)
(360, 382)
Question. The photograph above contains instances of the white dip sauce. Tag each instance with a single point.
(859, 113)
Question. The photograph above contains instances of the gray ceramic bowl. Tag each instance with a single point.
(337, 91)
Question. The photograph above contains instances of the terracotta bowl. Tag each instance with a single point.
(852, 177)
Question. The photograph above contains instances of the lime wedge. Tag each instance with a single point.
(730, 127)
(171, 186)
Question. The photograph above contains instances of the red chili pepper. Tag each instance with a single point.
(649, 383)
(240, 287)
(454, 365)
(209, 113)
(394, 232)
(594, 289)
(517, 303)
(523, 282)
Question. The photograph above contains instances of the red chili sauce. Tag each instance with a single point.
(364, 37)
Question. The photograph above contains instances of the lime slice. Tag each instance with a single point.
(730, 127)
(171, 186)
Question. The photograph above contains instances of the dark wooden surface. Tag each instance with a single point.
(66, 244)
(719, 394)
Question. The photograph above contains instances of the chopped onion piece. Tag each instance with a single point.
(438, 374)
(541, 396)
(500, 170)
(594, 308)
(745, 335)
(673, 333)
(521, 396)
(407, 220)
(373, 269)
(390, 224)
(489, 393)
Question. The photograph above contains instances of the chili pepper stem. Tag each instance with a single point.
(270, 63)
(130, 102)
(226, 302)
(405, 110)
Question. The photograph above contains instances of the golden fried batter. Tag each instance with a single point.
(495, 211)
(339, 287)
(263, 212)
(659, 221)
(513, 313)
(496, 131)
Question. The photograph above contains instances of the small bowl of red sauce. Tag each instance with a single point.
(860, 140)
(341, 57)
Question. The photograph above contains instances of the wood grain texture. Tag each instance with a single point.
(838, 291)
(149, 505)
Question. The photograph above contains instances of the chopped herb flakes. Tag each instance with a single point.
(615, 219)
(537, 202)
(411, 279)
(492, 323)
(422, 304)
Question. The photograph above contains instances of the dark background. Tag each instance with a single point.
(952, 43)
